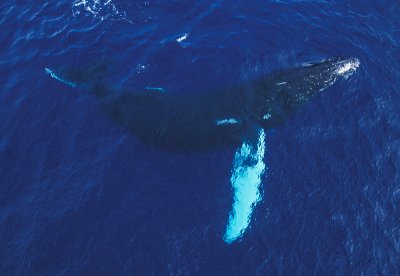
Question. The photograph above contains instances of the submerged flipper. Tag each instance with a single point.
(247, 171)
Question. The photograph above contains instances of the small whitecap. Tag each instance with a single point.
(182, 38)
(267, 116)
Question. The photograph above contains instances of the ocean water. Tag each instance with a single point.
(80, 195)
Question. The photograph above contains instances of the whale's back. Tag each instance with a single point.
(181, 122)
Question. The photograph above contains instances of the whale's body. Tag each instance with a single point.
(236, 117)
(218, 118)
(181, 122)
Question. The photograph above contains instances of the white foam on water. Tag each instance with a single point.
(348, 68)
(267, 116)
(100, 9)
(182, 38)
(140, 68)
(248, 168)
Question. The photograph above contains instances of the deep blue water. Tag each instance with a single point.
(81, 196)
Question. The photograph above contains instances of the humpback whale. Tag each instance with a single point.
(237, 117)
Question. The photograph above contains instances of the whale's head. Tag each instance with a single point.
(285, 92)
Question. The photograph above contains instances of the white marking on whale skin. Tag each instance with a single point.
(159, 89)
(248, 167)
(281, 83)
(53, 75)
(230, 121)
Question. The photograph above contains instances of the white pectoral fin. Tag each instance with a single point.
(247, 171)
